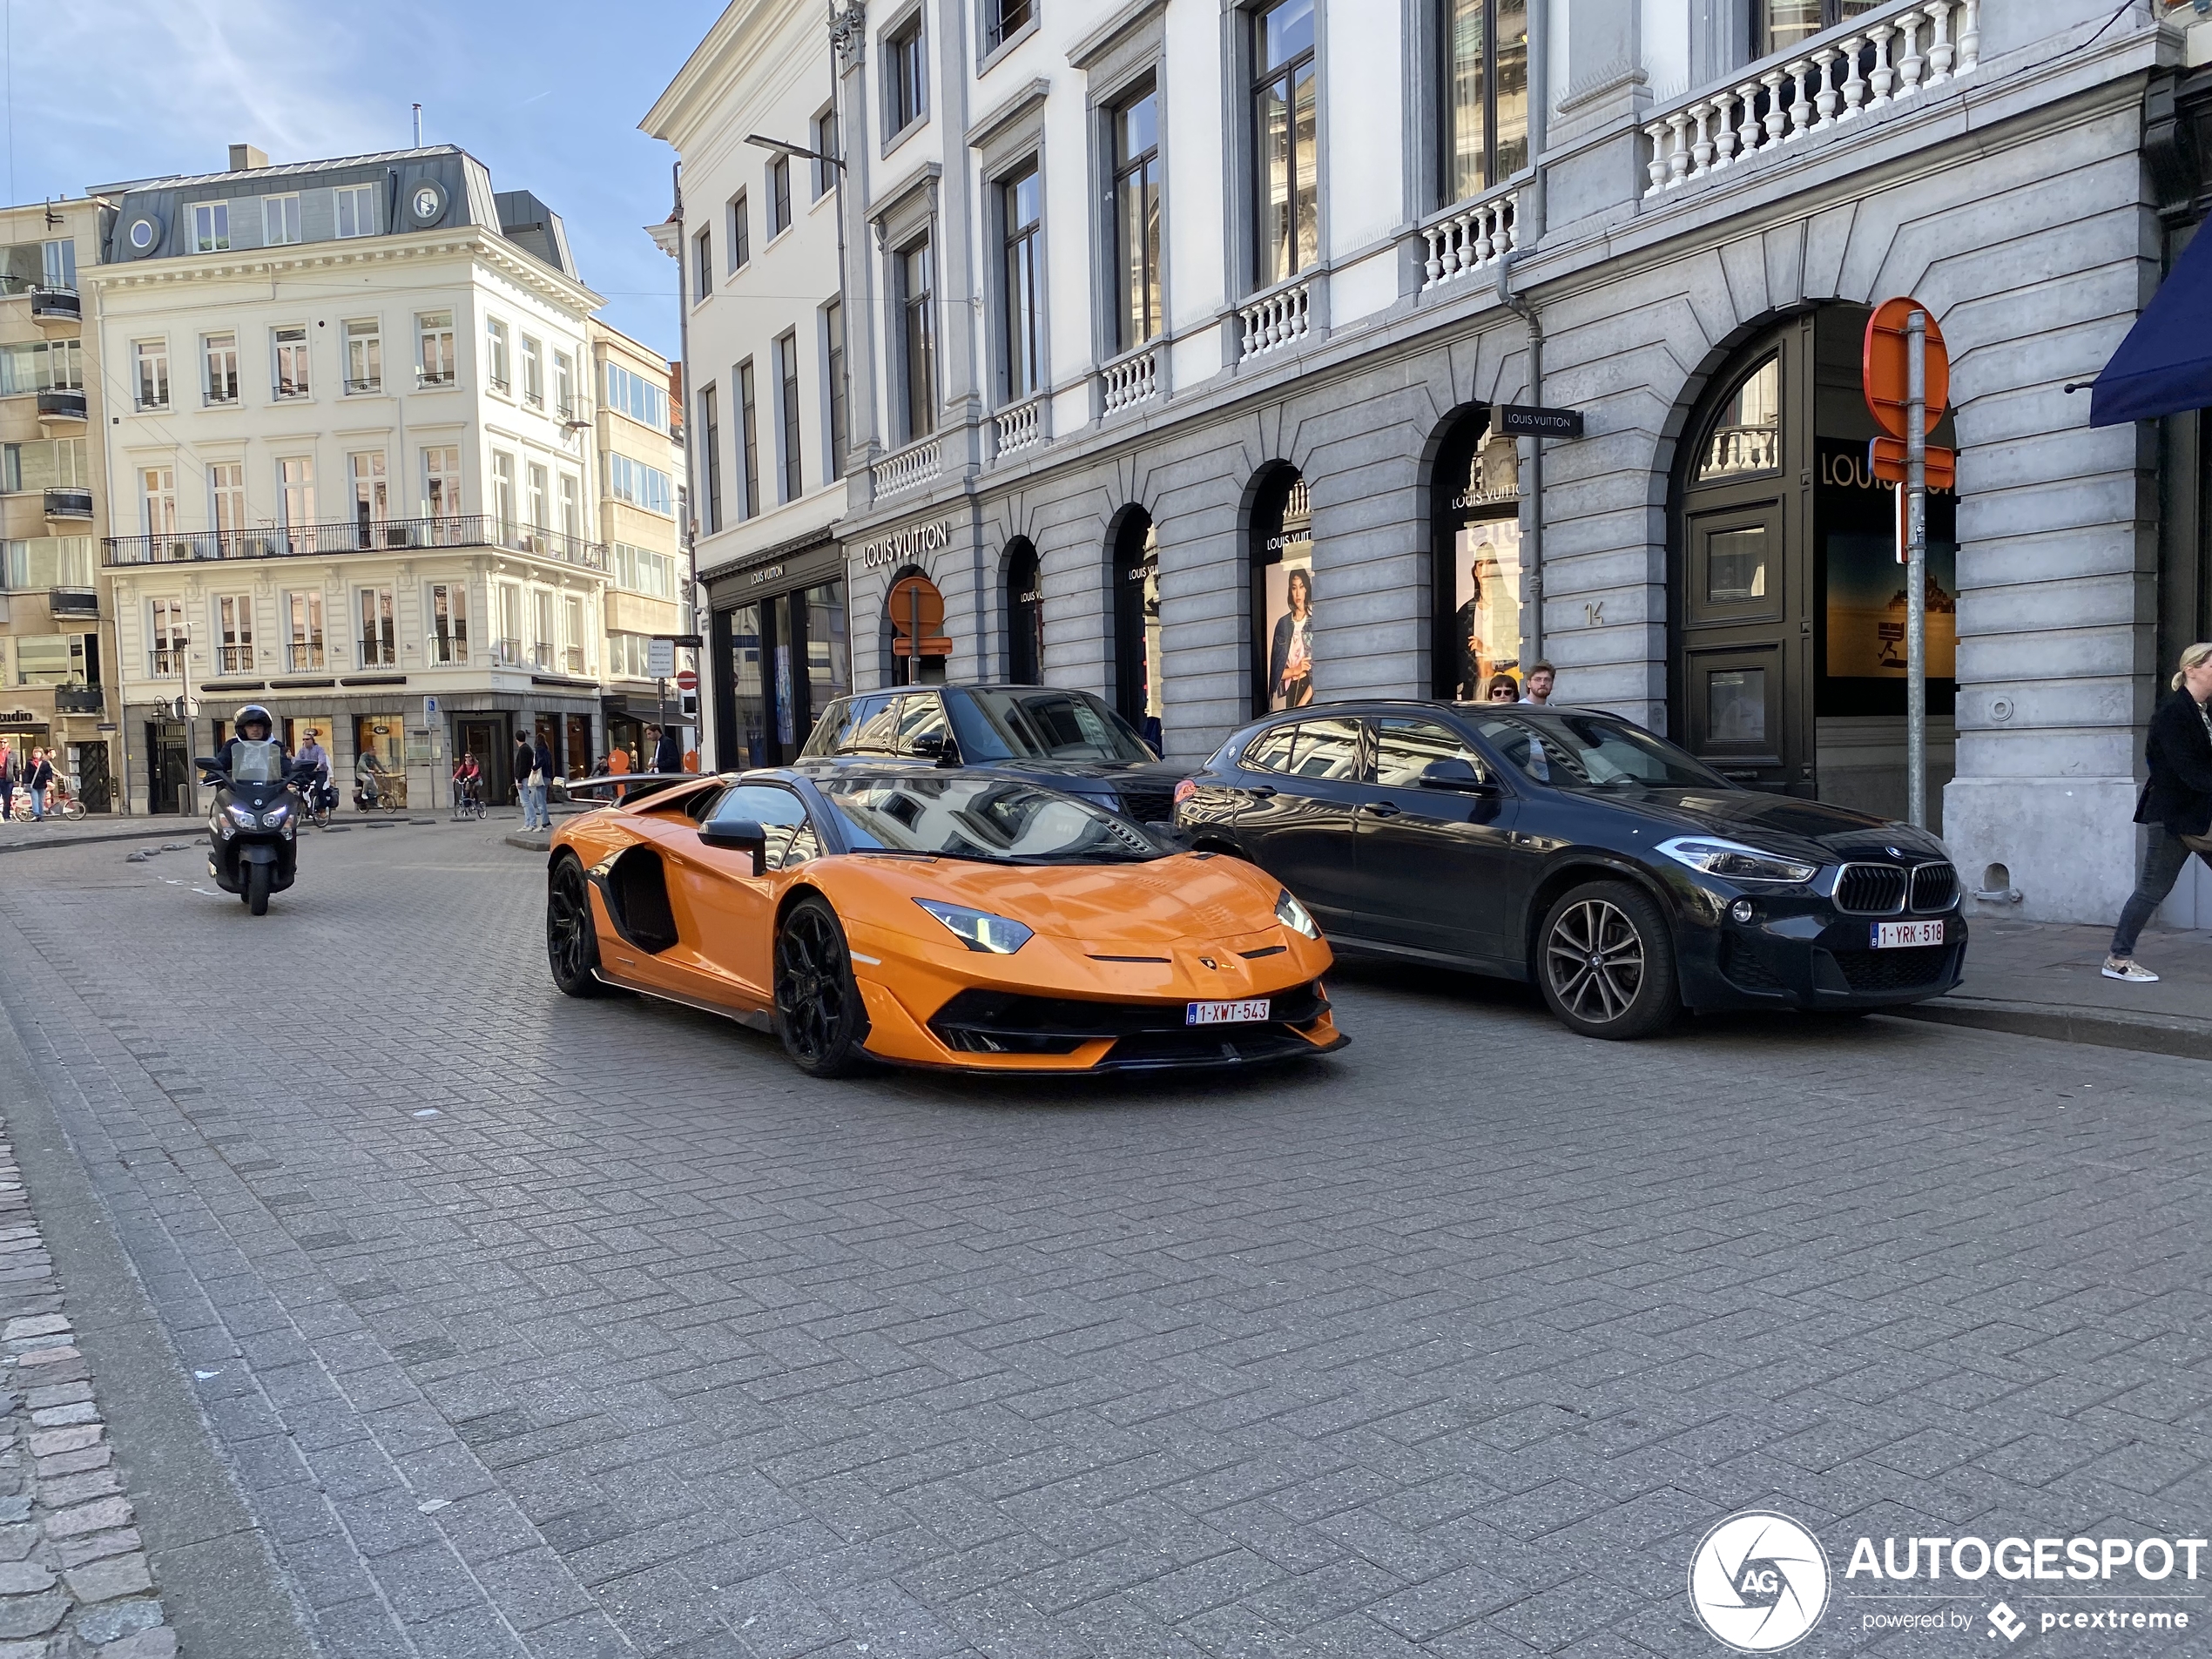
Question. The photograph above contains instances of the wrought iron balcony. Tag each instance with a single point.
(369, 536)
(433, 377)
(57, 404)
(56, 305)
(357, 388)
(69, 503)
(79, 699)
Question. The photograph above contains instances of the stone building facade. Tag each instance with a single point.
(1185, 321)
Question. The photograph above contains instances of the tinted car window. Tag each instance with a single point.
(790, 839)
(997, 725)
(833, 732)
(971, 815)
(1591, 751)
(875, 726)
(1270, 751)
(921, 715)
(1405, 749)
(1325, 749)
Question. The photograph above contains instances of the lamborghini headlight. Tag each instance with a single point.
(980, 929)
(1292, 914)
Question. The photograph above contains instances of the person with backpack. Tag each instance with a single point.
(2176, 802)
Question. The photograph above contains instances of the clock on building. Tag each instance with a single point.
(427, 203)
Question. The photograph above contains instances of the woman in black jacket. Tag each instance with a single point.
(2176, 803)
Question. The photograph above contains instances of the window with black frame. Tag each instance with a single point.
(787, 373)
(906, 84)
(833, 335)
(1020, 200)
(1135, 132)
(1003, 20)
(918, 327)
(1484, 104)
(1285, 122)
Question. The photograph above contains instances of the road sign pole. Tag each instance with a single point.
(1916, 568)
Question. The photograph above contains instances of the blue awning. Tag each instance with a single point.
(2165, 364)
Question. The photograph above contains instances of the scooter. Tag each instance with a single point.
(251, 851)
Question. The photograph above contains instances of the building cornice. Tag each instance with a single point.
(478, 242)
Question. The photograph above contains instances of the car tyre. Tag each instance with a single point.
(1605, 961)
(818, 1012)
(572, 936)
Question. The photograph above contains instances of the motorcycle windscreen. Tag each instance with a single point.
(257, 763)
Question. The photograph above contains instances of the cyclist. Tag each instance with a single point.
(468, 781)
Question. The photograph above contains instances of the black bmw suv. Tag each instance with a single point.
(1572, 847)
(1065, 740)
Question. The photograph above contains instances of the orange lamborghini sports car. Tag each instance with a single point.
(935, 918)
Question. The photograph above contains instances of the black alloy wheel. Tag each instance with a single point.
(818, 1012)
(1606, 963)
(571, 937)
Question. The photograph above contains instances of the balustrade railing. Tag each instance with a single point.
(353, 536)
(1021, 427)
(1276, 319)
(1875, 63)
(1131, 379)
(910, 468)
(1469, 238)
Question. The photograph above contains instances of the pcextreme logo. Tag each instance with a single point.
(1759, 1582)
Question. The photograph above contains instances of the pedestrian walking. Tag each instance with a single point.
(668, 750)
(541, 776)
(10, 772)
(1541, 678)
(38, 781)
(1503, 689)
(2176, 802)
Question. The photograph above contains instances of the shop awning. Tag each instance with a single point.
(2165, 364)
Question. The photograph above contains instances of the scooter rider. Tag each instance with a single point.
(252, 725)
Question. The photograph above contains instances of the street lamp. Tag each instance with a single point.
(783, 147)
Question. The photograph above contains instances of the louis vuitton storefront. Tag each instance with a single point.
(781, 646)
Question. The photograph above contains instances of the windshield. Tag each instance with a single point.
(1042, 726)
(1586, 751)
(967, 817)
(257, 763)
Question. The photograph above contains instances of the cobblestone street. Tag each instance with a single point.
(533, 1327)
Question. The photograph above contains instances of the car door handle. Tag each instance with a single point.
(1262, 792)
(1378, 809)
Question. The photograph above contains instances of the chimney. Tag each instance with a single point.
(244, 158)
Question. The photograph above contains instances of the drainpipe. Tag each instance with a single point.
(692, 481)
(1529, 230)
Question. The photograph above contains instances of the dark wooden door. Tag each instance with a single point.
(1742, 575)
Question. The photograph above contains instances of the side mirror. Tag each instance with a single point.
(932, 745)
(207, 763)
(1456, 774)
(738, 835)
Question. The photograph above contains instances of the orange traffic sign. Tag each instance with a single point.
(917, 609)
(1885, 458)
(1883, 366)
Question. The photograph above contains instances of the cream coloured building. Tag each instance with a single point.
(57, 645)
(350, 467)
(637, 433)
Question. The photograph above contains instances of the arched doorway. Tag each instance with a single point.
(1475, 559)
(1135, 585)
(1283, 605)
(1786, 603)
(1024, 614)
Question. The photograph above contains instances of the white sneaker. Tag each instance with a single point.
(2129, 969)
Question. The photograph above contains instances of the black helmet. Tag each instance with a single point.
(250, 713)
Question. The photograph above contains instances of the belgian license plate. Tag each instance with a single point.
(1904, 935)
(1248, 1013)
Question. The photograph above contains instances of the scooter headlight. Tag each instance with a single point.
(275, 816)
(243, 816)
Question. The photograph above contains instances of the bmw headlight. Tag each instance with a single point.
(1733, 861)
(243, 816)
(275, 816)
(1292, 914)
(980, 929)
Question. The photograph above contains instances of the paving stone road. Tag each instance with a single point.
(528, 1326)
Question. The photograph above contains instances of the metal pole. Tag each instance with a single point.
(1916, 568)
(914, 663)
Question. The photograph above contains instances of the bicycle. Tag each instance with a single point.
(467, 803)
(63, 804)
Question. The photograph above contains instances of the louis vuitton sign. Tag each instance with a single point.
(903, 546)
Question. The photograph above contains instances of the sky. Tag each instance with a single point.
(547, 93)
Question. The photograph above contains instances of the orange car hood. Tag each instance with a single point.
(1154, 903)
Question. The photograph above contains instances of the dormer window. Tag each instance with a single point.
(280, 221)
(211, 227)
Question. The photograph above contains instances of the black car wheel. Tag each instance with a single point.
(1606, 963)
(818, 1013)
(571, 937)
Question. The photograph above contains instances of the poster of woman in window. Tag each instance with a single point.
(1290, 610)
(1865, 583)
(1487, 625)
